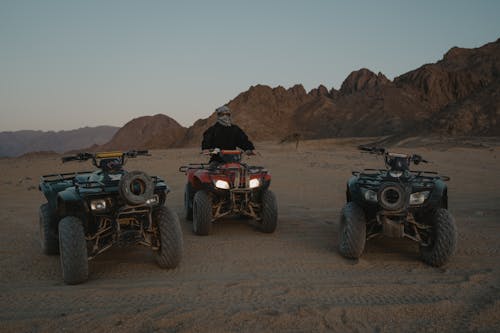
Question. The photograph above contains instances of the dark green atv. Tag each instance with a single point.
(89, 212)
(400, 203)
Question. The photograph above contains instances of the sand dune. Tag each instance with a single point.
(238, 279)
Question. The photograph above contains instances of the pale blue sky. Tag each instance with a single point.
(68, 64)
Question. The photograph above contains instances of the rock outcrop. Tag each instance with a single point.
(361, 80)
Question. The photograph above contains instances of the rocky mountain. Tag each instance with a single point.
(458, 95)
(148, 132)
(20, 142)
(264, 113)
(462, 91)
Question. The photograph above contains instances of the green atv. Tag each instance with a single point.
(89, 212)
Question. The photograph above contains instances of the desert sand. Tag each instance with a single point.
(238, 279)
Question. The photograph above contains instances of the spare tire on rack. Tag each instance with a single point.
(392, 196)
(136, 187)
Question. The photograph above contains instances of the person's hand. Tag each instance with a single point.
(249, 152)
(215, 151)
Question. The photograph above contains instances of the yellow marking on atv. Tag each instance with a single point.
(109, 154)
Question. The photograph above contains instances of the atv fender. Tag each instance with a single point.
(201, 177)
(68, 202)
(439, 196)
(353, 190)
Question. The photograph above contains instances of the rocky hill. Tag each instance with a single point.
(21, 142)
(148, 132)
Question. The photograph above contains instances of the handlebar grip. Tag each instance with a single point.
(363, 148)
(135, 153)
(78, 157)
(373, 150)
(214, 151)
(68, 158)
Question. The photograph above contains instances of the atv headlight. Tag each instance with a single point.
(253, 183)
(395, 174)
(418, 198)
(98, 205)
(222, 184)
(369, 195)
(153, 201)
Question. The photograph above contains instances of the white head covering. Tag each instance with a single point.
(224, 115)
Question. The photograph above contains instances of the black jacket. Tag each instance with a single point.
(226, 137)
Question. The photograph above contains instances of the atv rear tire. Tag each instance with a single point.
(443, 239)
(136, 187)
(269, 212)
(352, 231)
(170, 253)
(73, 249)
(48, 238)
(188, 202)
(202, 213)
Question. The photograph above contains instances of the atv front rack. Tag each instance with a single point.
(57, 177)
(375, 173)
(97, 184)
(422, 180)
(200, 166)
(71, 176)
(219, 169)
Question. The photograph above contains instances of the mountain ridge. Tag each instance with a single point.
(459, 95)
(16, 143)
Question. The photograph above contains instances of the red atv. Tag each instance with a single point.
(228, 187)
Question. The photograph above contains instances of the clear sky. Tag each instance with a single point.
(69, 64)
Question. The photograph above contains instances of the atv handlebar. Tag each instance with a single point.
(373, 150)
(416, 159)
(135, 153)
(101, 155)
(77, 157)
(218, 151)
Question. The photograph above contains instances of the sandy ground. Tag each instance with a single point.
(238, 279)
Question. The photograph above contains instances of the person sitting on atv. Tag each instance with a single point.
(225, 136)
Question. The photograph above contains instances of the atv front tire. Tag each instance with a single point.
(170, 253)
(48, 237)
(443, 239)
(269, 212)
(202, 213)
(73, 249)
(352, 231)
(188, 202)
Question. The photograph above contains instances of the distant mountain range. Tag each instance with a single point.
(21, 142)
(457, 96)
